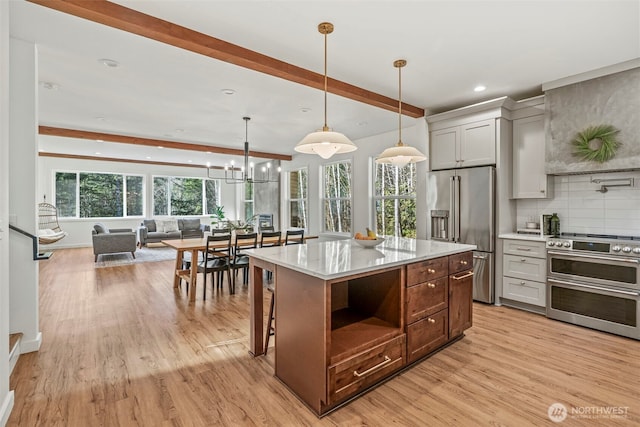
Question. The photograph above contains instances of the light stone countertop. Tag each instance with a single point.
(339, 258)
(520, 236)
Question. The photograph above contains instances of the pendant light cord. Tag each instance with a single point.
(325, 128)
(400, 106)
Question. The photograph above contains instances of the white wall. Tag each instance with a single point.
(79, 230)
(583, 210)
(23, 152)
(6, 396)
(415, 135)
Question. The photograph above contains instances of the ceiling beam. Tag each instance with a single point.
(132, 21)
(149, 142)
(120, 160)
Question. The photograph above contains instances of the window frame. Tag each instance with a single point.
(203, 194)
(378, 196)
(77, 173)
(323, 198)
(303, 200)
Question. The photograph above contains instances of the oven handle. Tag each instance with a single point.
(603, 258)
(598, 288)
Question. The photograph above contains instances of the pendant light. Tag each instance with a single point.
(246, 173)
(325, 142)
(400, 154)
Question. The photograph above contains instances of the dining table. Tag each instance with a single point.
(194, 246)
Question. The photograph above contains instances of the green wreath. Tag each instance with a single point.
(605, 135)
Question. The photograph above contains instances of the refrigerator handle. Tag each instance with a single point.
(453, 218)
(457, 208)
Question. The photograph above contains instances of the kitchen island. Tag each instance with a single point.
(349, 317)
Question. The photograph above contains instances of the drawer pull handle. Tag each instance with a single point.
(430, 320)
(522, 283)
(430, 270)
(523, 259)
(386, 360)
(469, 274)
(463, 262)
(431, 285)
(524, 249)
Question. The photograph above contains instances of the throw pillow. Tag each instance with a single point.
(171, 225)
(101, 228)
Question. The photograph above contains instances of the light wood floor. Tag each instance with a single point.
(122, 348)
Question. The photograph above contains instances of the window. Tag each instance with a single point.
(336, 180)
(395, 200)
(298, 198)
(248, 200)
(98, 195)
(184, 196)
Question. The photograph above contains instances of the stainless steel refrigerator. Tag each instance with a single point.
(461, 208)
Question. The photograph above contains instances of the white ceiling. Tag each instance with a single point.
(163, 92)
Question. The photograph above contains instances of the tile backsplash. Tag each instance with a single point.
(582, 209)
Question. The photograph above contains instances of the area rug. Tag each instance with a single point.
(146, 254)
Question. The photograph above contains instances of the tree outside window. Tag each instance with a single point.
(337, 197)
(395, 200)
(182, 196)
(98, 195)
(248, 200)
(298, 190)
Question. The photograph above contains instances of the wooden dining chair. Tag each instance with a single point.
(294, 237)
(216, 259)
(241, 260)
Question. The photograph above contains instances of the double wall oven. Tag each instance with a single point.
(595, 282)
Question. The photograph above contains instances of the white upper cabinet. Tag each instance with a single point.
(471, 144)
(529, 178)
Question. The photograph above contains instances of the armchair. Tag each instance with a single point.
(110, 241)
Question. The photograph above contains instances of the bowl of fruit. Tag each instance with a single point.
(368, 240)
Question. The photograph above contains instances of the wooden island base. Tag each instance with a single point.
(338, 337)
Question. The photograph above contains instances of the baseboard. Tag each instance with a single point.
(14, 354)
(5, 409)
(28, 346)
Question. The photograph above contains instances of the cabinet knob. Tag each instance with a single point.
(523, 259)
(522, 283)
(430, 320)
(430, 270)
(431, 285)
(463, 262)
(542, 191)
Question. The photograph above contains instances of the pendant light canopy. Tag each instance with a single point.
(400, 154)
(325, 142)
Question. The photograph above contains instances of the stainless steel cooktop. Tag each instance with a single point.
(597, 243)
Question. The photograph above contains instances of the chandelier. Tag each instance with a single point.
(325, 142)
(400, 154)
(246, 173)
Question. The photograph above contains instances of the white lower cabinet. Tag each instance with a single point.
(524, 271)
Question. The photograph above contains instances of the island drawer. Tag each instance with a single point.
(460, 262)
(424, 271)
(362, 370)
(426, 298)
(427, 335)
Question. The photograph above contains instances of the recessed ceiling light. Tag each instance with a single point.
(99, 140)
(109, 63)
(98, 153)
(41, 150)
(479, 88)
(228, 91)
(50, 85)
(148, 157)
(209, 152)
(160, 147)
(189, 161)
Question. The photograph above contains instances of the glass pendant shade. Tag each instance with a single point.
(325, 143)
(401, 155)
